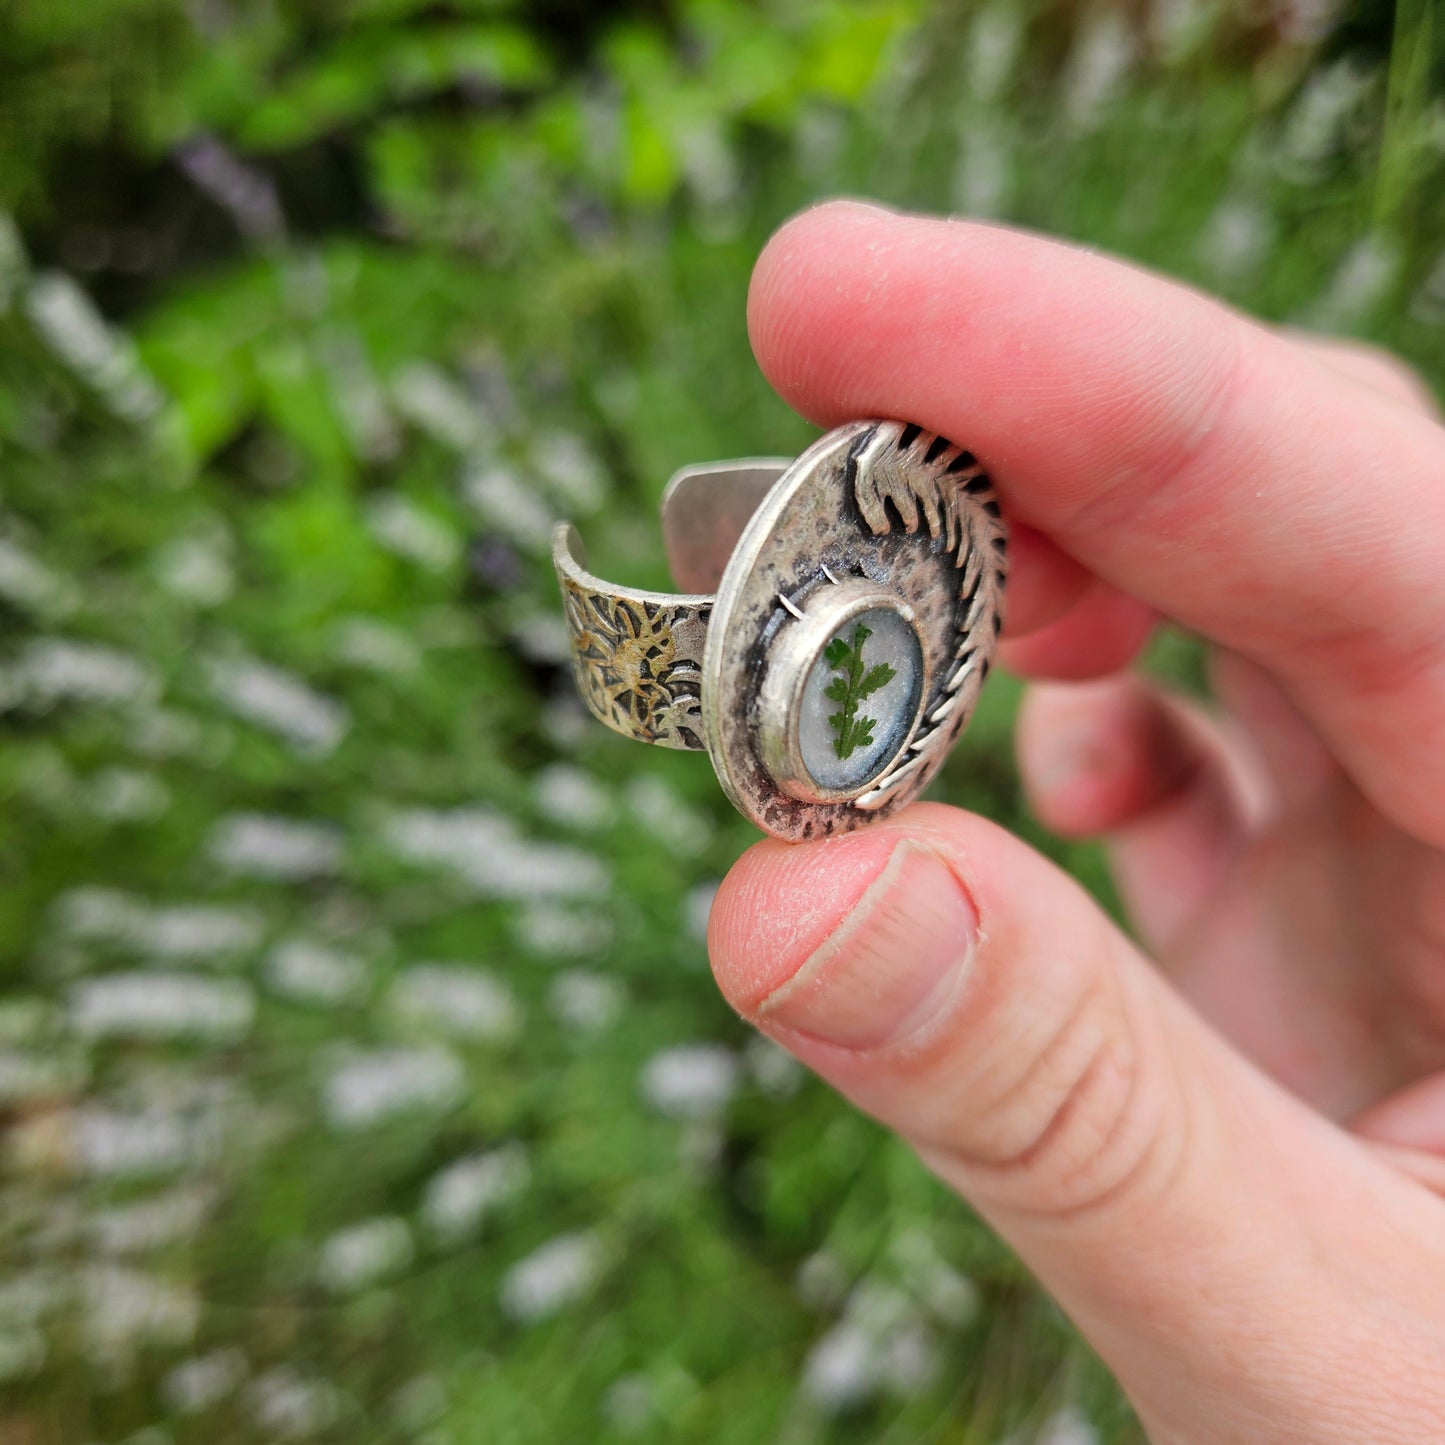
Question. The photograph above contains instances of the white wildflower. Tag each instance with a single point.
(244, 191)
(947, 1294)
(284, 849)
(543, 637)
(700, 1148)
(14, 264)
(197, 569)
(1428, 306)
(150, 1435)
(551, 1277)
(420, 1402)
(289, 1406)
(553, 932)
(1237, 238)
(22, 1353)
(691, 1081)
(177, 933)
(201, 933)
(25, 1076)
(1178, 27)
(27, 583)
(195, 1385)
(569, 470)
(841, 1370)
(153, 1005)
(984, 176)
(158, 732)
(1307, 22)
(66, 319)
(1360, 286)
(487, 852)
(908, 1358)
(52, 670)
(364, 1254)
(994, 42)
(1065, 1427)
(775, 1071)
(126, 795)
(586, 1003)
(880, 1343)
(279, 702)
(123, 1309)
(110, 1143)
(572, 798)
(363, 404)
(1316, 125)
(149, 1223)
(628, 1404)
(25, 1019)
(697, 909)
(1098, 67)
(390, 1082)
(429, 398)
(499, 498)
(374, 646)
(564, 722)
(33, 1296)
(459, 1198)
(313, 973)
(465, 1002)
(878, 1307)
(821, 1281)
(410, 531)
(667, 816)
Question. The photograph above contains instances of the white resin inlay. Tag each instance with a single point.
(892, 641)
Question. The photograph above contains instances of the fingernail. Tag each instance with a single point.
(891, 965)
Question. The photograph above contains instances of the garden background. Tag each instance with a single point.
(361, 1074)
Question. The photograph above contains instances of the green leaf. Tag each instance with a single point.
(880, 675)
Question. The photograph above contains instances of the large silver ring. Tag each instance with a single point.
(838, 617)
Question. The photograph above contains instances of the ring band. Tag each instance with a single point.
(839, 617)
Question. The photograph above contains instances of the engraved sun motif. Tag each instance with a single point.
(626, 659)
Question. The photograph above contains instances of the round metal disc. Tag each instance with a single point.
(881, 523)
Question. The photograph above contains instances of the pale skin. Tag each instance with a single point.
(1219, 1143)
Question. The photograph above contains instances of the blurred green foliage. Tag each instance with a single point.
(313, 314)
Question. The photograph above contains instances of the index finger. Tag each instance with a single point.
(1178, 450)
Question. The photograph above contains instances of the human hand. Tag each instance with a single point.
(1226, 1160)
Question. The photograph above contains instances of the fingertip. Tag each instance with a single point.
(780, 902)
(804, 287)
(1094, 756)
(1101, 634)
(1044, 582)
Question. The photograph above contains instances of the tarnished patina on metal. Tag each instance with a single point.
(877, 520)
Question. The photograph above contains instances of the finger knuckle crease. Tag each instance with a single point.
(1083, 1141)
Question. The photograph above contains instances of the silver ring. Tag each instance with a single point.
(839, 617)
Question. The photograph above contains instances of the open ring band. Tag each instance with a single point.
(838, 619)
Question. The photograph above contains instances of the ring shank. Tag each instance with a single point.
(637, 655)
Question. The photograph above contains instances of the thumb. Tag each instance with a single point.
(1242, 1265)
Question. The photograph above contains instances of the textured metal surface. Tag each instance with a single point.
(704, 511)
(910, 512)
(874, 514)
(637, 655)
